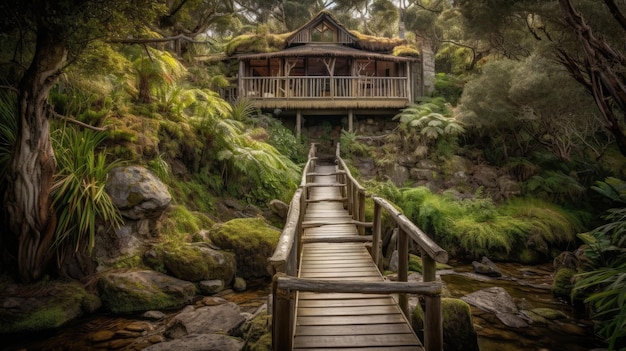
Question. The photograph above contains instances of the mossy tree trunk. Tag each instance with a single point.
(28, 205)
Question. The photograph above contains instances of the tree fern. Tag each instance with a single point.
(8, 130)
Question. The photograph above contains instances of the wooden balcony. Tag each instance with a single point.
(326, 92)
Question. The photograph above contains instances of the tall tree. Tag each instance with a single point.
(44, 37)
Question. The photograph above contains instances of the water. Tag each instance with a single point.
(530, 288)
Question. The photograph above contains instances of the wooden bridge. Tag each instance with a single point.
(328, 292)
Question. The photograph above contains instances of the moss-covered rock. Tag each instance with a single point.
(415, 264)
(197, 261)
(458, 328)
(562, 285)
(138, 291)
(43, 306)
(258, 333)
(252, 240)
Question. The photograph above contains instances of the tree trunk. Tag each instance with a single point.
(31, 218)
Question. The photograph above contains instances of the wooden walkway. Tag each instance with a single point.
(342, 321)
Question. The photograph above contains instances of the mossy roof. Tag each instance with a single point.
(268, 43)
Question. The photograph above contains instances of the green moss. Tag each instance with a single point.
(562, 285)
(415, 264)
(258, 334)
(406, 50)
(181, 222)
(458, 327)
(128, 262)
(57, 303)
(252, 240)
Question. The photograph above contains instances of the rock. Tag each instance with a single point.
(486, 267)
(458, 328)
(393, 262)
(280, 208)
(549, 313)
(497, 300)
(566, 259)
(197, 261)
(101, 335)
(210, 287)
(43, 306)
(137, 193)
(143, 290)
(213, 301)
(508, 187)
(427, 164)
(252, 240)
(562, 285)
(399, 175)
(153, 315)
(200, 342)
(223, 319)
(239, 285)
(423, 174)
(485, 176)
(139, 326)
(257, 333)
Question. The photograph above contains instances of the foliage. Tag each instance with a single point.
(448, 87)
(477, 227)
(351, 146)
(282, 138)
(78, 190)
(605, 278)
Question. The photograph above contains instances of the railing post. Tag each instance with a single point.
(376, 234)
(403, 268)
(433, 323)
(361, 213)
(282, 317)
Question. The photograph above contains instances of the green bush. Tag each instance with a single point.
(478, 227)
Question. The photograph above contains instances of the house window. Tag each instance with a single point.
(323, 33)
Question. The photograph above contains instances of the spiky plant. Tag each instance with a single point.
(78, 190)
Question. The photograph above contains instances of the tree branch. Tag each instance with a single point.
(159, 40)
(77, 122)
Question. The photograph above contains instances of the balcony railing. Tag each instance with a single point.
(324, 87)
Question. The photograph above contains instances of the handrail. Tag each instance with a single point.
(431, 252)
(285, 260)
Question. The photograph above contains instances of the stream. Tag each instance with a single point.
(529, 286)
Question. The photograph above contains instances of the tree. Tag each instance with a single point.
(45, 36)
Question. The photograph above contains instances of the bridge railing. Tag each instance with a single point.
(285, 261)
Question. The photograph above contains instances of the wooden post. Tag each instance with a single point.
(350, 120)
(429, 268)
(433, 323)
(282, 315)
(298, 124)
(361, 211)
(376, 235)
(403, 268)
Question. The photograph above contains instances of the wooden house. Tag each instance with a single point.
(324, 69)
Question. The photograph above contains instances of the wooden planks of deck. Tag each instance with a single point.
(340, 321)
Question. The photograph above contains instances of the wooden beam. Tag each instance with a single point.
(345, 239)
(313, 224)
(347, 286)
(331, 199)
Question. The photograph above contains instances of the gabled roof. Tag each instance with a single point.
(321, 17)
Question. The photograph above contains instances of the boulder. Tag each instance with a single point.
(458, 328)
(137, 193)
(280, 208)
(43, 306)
(562, 285)
(497, 300)
(508, 187)
(399, 175)
(220, 319)
(252, 240)
(200, 342)
(143, 290)
(258, 333)
(486, 267)
(210, 287)
(485, 176)
(198, 261)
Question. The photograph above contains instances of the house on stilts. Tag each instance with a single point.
(323, 69)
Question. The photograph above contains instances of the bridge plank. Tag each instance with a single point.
(342, 321)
